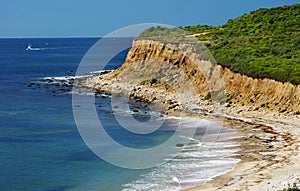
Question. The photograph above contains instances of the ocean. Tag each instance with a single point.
(41, 148)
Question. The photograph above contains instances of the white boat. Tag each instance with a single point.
(29, 47)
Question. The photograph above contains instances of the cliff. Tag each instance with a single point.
(182, 68)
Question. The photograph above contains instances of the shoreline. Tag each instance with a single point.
(269, 150)
(268, 161)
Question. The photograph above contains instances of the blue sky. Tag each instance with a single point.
(69, 18)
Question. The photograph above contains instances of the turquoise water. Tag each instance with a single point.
(41, 148)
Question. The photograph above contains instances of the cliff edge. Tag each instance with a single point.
(181, 69)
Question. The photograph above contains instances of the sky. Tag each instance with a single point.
(88, 18)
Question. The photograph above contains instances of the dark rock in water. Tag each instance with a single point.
(49, 80)
(31, 84)
(115, 106)
(104, 96)
(104, 72)
(66, 85)
(135, 110)
(63, 90)
(179, 145)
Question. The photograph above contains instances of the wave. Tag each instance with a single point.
(63, 78)
(64, 84)
(198, 163)
(101, 72)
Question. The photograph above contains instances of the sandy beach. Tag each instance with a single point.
(269, 156)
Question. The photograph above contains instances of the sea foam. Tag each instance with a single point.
(198, 163)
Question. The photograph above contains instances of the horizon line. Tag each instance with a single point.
(63, 37)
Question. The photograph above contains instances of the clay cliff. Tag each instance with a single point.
(190, 71)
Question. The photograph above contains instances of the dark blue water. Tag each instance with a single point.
(41, 148)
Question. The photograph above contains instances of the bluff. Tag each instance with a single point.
(177, 68)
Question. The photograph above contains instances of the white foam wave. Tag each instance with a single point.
(60, 78)
(101, 71)
(64, 78)
(198, 163)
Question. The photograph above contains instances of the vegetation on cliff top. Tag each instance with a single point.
(263, 43)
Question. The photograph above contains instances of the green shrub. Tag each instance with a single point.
(263, 43)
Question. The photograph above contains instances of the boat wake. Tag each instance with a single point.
(30, 48)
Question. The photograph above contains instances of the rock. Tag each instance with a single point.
(197, 110)
(135, 110)
(282, 111)
(104, 95)
(173, 106)
(227, 104)
(31, 84)
(65, 85)
(179, 145)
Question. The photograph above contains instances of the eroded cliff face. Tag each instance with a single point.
(183, 69)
